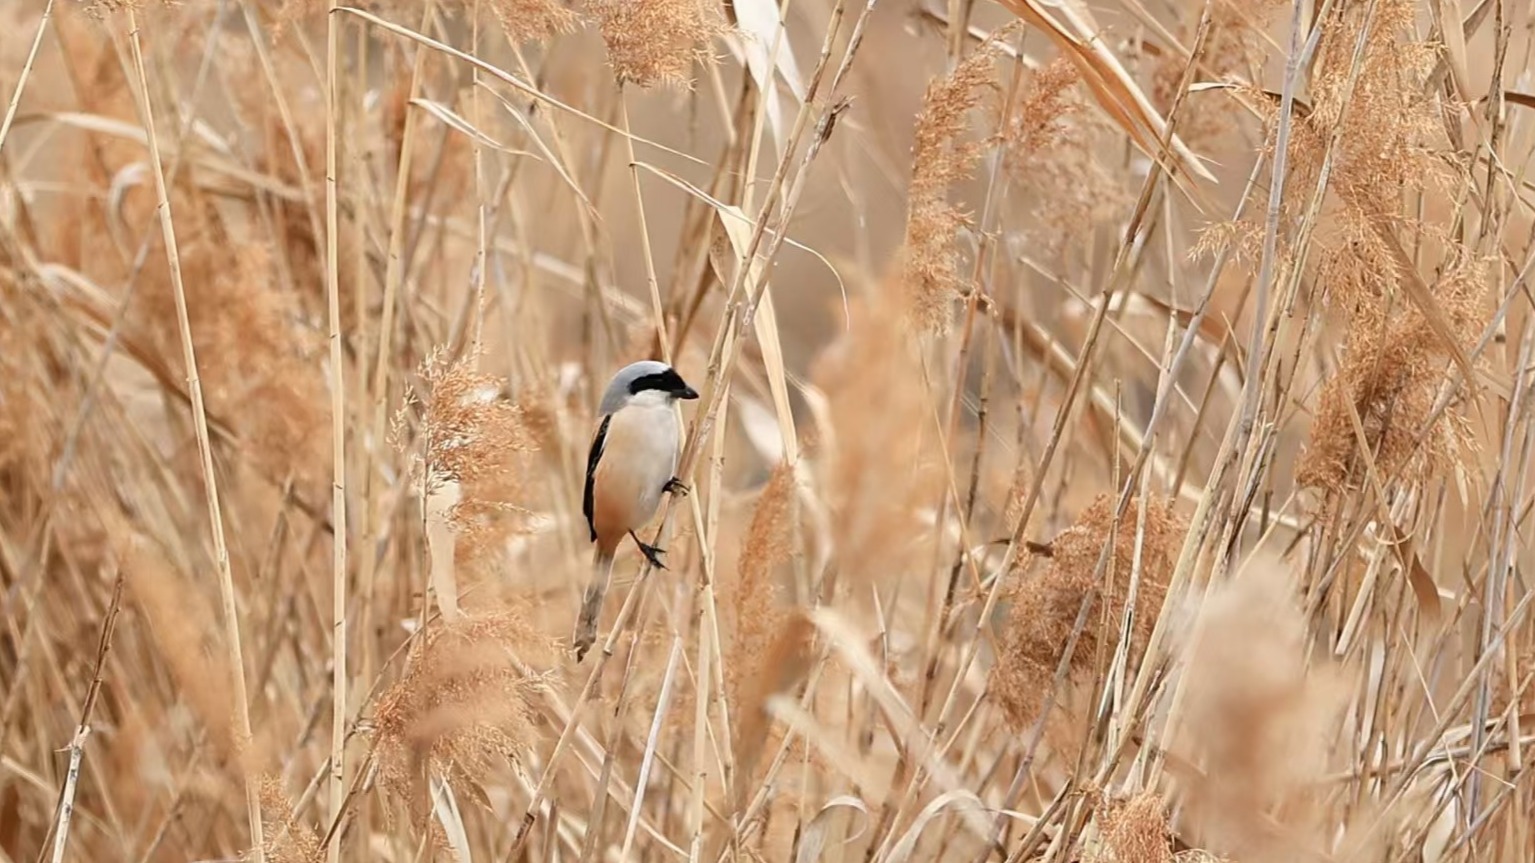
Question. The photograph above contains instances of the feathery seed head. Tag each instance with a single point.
(657, 41)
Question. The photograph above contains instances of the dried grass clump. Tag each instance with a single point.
(507, 234)
(657, 41)
(941, 157)
(1041, 120)
(1051, 150)
(1257, 723)
(1390, 148)
(463, 707)
(469, 464)
(1045, 609)
(1133, 831)
(1391, 373)
(467, 432)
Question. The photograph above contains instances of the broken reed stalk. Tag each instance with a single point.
(67, 798)
(338, 632)
(204, 447)
(66, 806)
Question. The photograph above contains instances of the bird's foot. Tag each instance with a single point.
(676, 486)
(652, 552)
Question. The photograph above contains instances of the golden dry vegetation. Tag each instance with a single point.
(1115, 442)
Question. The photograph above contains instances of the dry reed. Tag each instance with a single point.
(1306, 636)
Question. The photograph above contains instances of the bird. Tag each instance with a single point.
(631, 464)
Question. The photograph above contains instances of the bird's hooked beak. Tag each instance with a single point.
(687, 392)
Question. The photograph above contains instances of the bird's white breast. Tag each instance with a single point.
(639, 456)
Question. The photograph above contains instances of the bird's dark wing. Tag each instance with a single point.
(592, 457)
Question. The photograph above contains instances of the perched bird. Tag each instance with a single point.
(633, 461)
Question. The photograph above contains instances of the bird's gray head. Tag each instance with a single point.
(646, 379)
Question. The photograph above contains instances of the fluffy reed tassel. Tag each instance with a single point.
(1051, 150)
(471, 446)
(288, 840)
(1133, 831)
(463, 705)
(941, 157)
(1257, 720)
(767, 651)
(657, 41)
(1045, 608)
(534, 20)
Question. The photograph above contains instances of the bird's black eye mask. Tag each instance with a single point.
(667, 382)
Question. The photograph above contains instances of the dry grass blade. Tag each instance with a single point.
(958, 800)
(769, 55)
(543, 148)
(736, 225)
(451, 118)
(445, 809)
(825, 821)
(26, 72)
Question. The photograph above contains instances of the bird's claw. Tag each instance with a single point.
(653, 554)
(676, 486)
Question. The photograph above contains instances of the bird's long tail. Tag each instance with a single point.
(591, 605)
